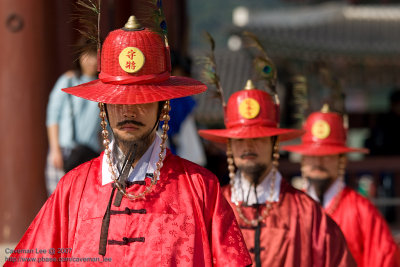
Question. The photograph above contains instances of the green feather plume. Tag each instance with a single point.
(264, 67)
(300, 97)
(152, 16)
(336, 99)
(209, 73)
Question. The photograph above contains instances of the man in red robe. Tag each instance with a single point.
(281, 225)
(136, 204)
(323, 151)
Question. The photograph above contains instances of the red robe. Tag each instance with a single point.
(185, 221)
(366, 232)
(297, 232)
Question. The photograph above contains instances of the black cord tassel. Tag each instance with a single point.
(130, 158)
(104, 227)
(257, 247)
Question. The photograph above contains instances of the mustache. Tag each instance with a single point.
(246, 154)
(318, 168)
(122, 123)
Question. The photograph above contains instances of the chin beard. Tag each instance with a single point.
(254, 171)
(141, 144)
(321, 185)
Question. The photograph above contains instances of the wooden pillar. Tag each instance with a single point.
(25, 64)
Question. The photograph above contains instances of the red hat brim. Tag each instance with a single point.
(322, 150)
(244, 132)
(173, 87)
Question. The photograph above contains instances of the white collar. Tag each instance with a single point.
(146, 164)
(330, 194)
(242, 187)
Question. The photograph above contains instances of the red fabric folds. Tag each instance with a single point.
(296, 233)
(187, 221)
(366, 232)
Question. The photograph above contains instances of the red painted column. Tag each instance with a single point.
(26, 55)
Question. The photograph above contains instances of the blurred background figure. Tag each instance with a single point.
(323, 164)
(384, 138)
(73, 124)
(182, 135)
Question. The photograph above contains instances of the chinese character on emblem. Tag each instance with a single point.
(130, 65)
(131, 54)
(321, 129)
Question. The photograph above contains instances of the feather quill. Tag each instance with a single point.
(336, 99)
(209, 73)
(300, 97)
(264, 67)
(153, 17)
(87, 15)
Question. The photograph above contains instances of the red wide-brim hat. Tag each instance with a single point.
(315, 149)
(250, 113)
(244, 132)
(173, 87)
(135, 69)
(325, 135)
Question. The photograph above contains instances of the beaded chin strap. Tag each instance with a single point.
(106, 142)
(268, 204)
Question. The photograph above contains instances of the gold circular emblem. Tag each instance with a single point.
(321, 129)
(131, 59)
(249, 108)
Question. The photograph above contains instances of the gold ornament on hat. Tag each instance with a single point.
(249, 85)
(325, 108)
(132, 24)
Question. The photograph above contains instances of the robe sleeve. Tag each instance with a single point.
(46, 233)
(226, 242)
(329, 245)
(380, 248)
(228, 245)
(337, 252)
(49, 237)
